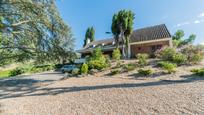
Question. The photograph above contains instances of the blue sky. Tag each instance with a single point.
(176, 14)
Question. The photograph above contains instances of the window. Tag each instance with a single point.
(159, 46)
(156, 47)
(153, 48)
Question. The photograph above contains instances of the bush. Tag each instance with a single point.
(142, 59)
(97, 60)
(108, 62)
(161, 63)
(41, 68)
(179, 58)
(75, 71)
(17, 71)
(166, 53)
(194, 54)
(84, 69)
(115, 71)
(169, 67)
(199, 72)
(145, 72)
(196, 58)
(116, 54)
(97, 64)
(118, 65)
(129, 67)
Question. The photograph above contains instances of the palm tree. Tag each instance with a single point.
(122, 27)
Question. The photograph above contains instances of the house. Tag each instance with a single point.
(145, 40)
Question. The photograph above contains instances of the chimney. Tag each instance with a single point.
(88, 41)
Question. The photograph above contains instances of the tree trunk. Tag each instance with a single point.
(123, 42)
(127, 48)
(123, 46)
(117, 41)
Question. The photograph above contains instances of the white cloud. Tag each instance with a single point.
(182, 24)
(201, 15)
(197, 21)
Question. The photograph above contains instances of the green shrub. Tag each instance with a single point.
(97, 64)
(176, 43)
(115, 71)
(129, 67)
(97, 60)
(142, 59)
(17, 71)
(145, 72)
(166, 53)
(75, 71)
(199, 72)
(179, 58)
(41, 68)
(84, 69)
(161, 63)
(169, 67)
(118, 65)
(108, 61)
(116, 54)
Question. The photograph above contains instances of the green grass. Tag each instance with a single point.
(27, 69)
(4, 74)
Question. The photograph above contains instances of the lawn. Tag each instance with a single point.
(4, 74)
(27, 68)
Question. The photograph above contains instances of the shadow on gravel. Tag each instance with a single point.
(51, 73)
(26, 87)
(11, 88)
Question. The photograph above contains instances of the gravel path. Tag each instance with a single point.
(104, 96)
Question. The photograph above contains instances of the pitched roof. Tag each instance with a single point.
(99, 42)
(144, 34)
(150, 33)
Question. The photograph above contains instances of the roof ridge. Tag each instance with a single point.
(153, 26)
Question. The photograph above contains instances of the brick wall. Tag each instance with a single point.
(148, 48)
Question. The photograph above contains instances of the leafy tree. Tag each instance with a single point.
(116, 30)
(129, 30)
(190, 40)
(179, 40)
(122, 26)
(32, 30)
(178, 35)
(90, 35)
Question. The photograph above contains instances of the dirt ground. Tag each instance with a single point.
(101, 94)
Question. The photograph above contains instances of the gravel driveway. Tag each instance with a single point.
(103, 96)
